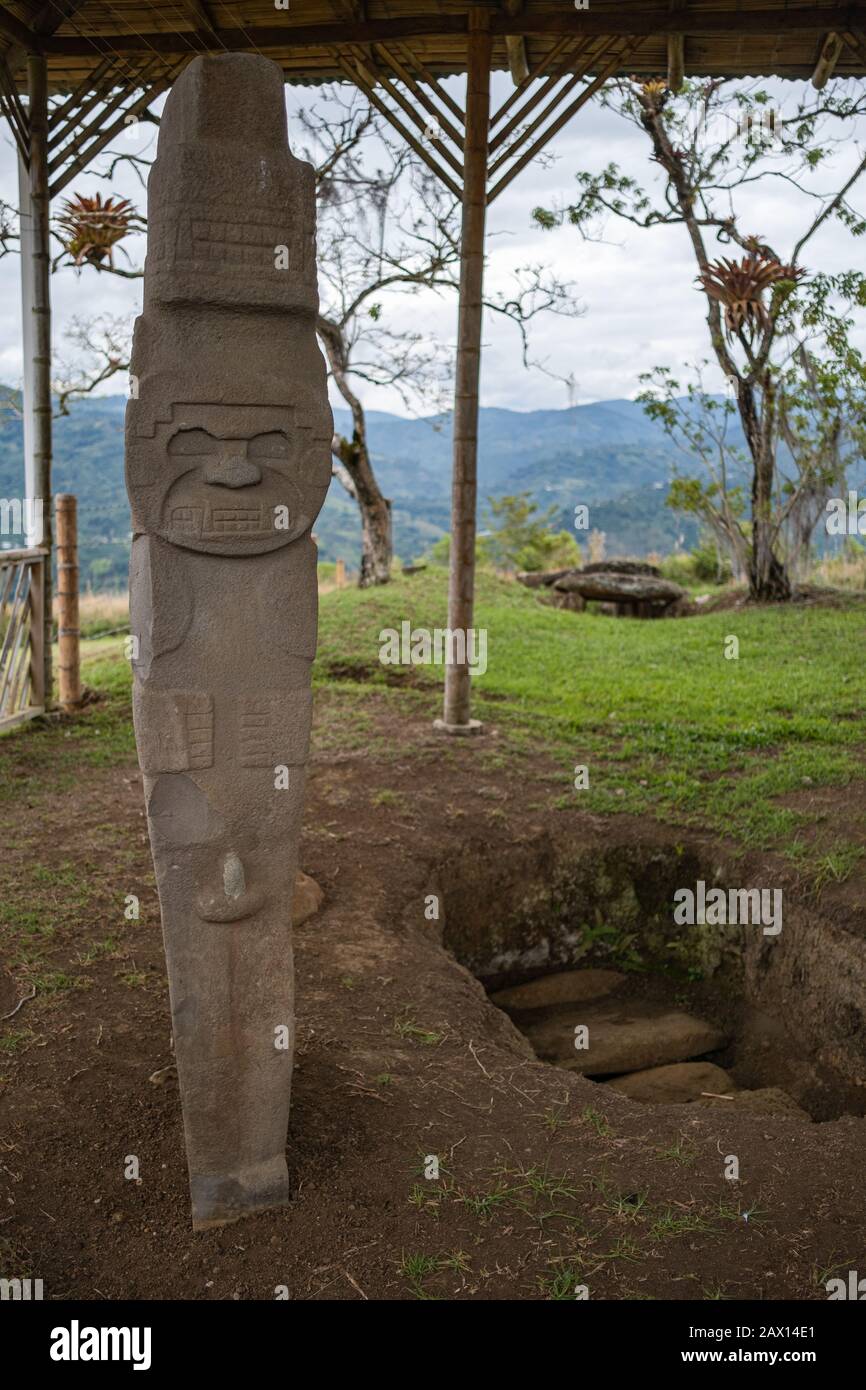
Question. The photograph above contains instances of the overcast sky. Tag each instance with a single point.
(636, 286)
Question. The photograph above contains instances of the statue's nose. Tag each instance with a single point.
(232, 468)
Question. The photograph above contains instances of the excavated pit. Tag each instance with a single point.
(780, 1015)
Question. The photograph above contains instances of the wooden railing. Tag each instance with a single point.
(22, 635)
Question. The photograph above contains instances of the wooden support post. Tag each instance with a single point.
(36, 303)
(25, 269)
(676, 61)
(515, 46)
(831, 51)
(464, 486)
(37, 634)
(340, 574)
(68, 631)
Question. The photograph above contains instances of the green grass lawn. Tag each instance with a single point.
(667, 726)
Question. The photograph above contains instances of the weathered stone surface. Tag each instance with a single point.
(540, 579)
(622, 1039)
(227, 463)
(767, 1100)
(565, 987)
(619, 587)
(620, 567)
(306, 900)
(675, 1084)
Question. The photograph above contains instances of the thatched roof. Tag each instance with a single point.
(722, 37)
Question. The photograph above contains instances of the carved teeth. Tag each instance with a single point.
(218, 521)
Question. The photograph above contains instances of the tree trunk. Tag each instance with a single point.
(376, 538)
(768, 577)
(353, 454)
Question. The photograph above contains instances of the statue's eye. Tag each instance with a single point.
(193, 442)
(269, 446)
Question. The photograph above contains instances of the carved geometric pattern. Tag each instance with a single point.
(199, 730)
(174, 729)
(256, 732)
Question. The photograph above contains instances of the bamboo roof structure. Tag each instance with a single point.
(308, 40)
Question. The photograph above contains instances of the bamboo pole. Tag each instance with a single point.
(356, 76)
(515, 47)
(543, 66)
(562, 119)
(68, 632)
(13, 109)
(414, 115)
(831, 52)
(98, 144)
(414, 62)
(39, 272)
(589, 55)
(676, 61)
(37, 632)
(464, 486)
(455, 135)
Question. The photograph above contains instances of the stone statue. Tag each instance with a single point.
(227, 462)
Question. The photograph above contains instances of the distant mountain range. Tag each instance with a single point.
(608, 455)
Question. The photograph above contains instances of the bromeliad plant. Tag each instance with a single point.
(739, 287)
(90, 229)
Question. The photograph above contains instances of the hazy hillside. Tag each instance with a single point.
(607, 455)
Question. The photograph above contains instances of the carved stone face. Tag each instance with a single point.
(233, 490)
(228, 480)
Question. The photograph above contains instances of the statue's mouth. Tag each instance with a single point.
(202, 515)
(213, 520)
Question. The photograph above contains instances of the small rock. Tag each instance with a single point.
(307, 899)
(565, 987)
(164, 1074)
(673, 1085)
(619, 585)
(624, 1039)
(767, 1100)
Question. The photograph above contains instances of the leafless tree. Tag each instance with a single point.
(388, 227)
(101, 347)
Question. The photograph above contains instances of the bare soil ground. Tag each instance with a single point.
(546, 1181)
